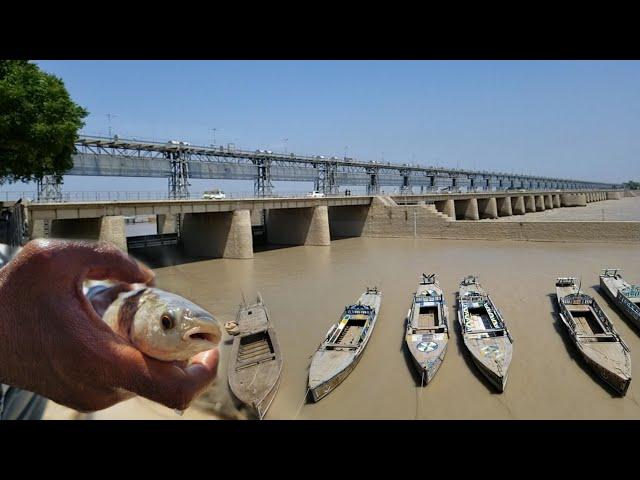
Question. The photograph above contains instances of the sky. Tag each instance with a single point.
(569, 119)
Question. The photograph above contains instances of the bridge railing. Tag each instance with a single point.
(102, 196)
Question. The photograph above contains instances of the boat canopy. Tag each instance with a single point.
(358, 310)
(577, 299)
(631, 291)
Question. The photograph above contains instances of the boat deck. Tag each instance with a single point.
(585, 321)
(427, 317)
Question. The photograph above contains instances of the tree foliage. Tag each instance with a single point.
(631, 185)
(39, 123)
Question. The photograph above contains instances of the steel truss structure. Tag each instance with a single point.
(179, 162)
(48, 189)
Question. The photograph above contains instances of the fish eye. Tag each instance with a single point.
(167, 322)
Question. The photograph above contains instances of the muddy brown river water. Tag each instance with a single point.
(306, 288)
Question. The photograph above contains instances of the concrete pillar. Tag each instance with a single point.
(166, 223)
(548, 202)
(504, 206)
(614, 195)
(467, 209)
(539, 203)
(240, 239)
(530, 203)
(573, 200)
(299, 226)
(517, 205)
(223, 234)
(40, 229)
(112, 229)
(319, 233)
(556, 201)
(447, 207)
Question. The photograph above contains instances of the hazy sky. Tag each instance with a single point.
(557, 118)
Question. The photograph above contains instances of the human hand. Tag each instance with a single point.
(53, 341)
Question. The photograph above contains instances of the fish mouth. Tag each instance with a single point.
(211, 334)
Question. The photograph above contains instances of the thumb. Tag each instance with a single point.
(164, 382)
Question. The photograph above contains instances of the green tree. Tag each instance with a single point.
(39, 123)
(631, 185)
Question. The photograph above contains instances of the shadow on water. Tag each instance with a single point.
(616, 309)
(265, 247)
(173, 255)
(164, 256)
(572, 349)
(467, 355)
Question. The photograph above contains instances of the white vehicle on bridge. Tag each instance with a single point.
(315, 194)
(215, 194)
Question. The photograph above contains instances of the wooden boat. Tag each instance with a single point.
(484, 332)
(624, 295)
(255, 363)
(594, 335)
(427, 327)
(344, 344)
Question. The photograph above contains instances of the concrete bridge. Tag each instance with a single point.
(223, 228)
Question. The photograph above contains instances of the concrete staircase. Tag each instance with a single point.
(432, 208)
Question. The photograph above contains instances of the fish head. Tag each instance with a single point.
(169, 327)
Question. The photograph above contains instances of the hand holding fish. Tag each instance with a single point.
(54, 342)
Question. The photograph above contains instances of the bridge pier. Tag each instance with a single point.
(223, 234)
(488, 207)
(504, 206)
(530, 203)
(517, 205)
(110, 228)
(556, 201)
(299, 226)
(539, 203)
(548, 202)
(467, 209)
(447, 207)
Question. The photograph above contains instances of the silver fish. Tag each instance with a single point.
(161, 324)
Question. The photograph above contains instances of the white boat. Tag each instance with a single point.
(344, 344)
(484, 332)
(427, 330)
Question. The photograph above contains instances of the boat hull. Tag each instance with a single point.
(256, 385)
(623, 304)
(496, 370)
(602, 350)
(329, 368)
(323, 389)
(427, 366)
(427, 328)
(491, 352)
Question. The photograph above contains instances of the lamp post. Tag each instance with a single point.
(109, 115)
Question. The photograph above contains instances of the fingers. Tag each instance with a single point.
(98, 260)
(163, 382)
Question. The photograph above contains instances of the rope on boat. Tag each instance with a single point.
(418, 395)
(302, 404)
